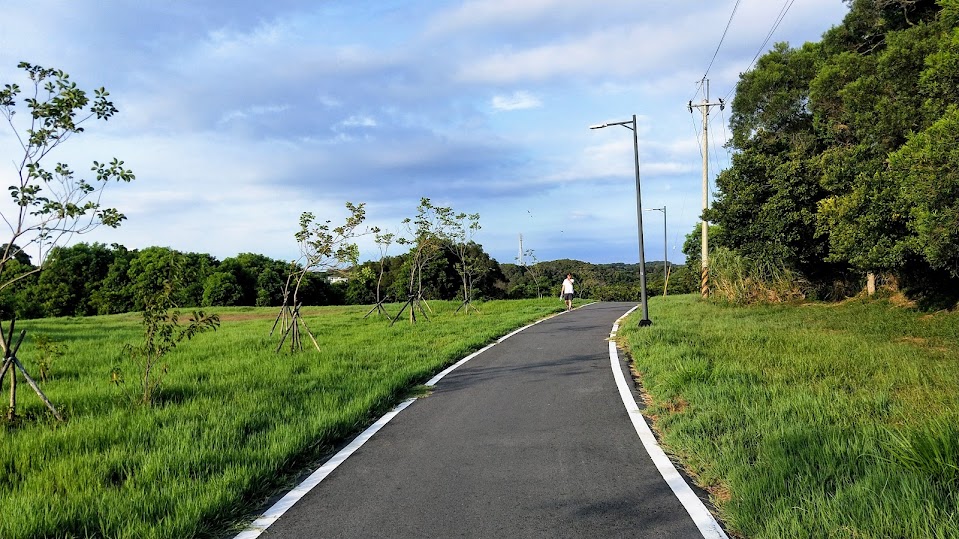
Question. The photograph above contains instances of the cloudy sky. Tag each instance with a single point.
(236, 116)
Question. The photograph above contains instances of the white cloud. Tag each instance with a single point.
(516, 101)
(255, 110)
(358, 121)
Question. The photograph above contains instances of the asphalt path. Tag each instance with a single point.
(528, 439)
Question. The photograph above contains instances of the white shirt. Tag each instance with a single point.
(568, 285)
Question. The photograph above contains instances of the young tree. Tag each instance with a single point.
(459, 229)
(383, 241)
(321, 249)
(51, 203)
(162, 332)
(532, 270)
(426, 231)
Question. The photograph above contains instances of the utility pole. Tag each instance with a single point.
(704, 107)
(522, 256)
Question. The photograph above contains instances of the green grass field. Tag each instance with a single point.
(234, 421)
(819, 420)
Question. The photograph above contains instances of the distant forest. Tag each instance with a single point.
(93, 279)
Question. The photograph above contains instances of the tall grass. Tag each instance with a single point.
(741, 280)
(233, 422)
(810, 421)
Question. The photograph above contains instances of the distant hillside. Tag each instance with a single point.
(616, 281)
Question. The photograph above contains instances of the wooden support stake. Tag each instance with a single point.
(6, 365)
(379, 309)
(10, 360)
(310, 333)
(283, 338)
(409, 303)
(9, 338)
(36, 388)
(12, 410)
(420, 303)
(277, 321)
(16, 347)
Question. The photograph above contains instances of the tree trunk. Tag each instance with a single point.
(12, 411)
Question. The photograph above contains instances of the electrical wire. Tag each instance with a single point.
(725, 31)
(725, 137)
(715, 155)
(762, 48)
(729, 154)
(718, 47)
(696, 134)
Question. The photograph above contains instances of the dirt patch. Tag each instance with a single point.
(721, 493)
(676, 405)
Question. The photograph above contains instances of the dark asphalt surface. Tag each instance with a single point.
(528, 439)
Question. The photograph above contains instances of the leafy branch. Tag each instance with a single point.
(52, 204)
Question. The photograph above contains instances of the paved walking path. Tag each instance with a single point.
(529, 438)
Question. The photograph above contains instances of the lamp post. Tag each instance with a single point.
(665, 249)
(631, 124)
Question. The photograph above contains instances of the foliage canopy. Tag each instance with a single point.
(844, 151)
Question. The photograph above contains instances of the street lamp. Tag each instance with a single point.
(631, 125)
(665, 250)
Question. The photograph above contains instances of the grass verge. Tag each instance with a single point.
(819, 420)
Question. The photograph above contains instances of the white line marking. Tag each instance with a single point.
(694, 506)
(274, 513)
(286, 502)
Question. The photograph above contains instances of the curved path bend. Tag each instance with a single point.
(529, 438)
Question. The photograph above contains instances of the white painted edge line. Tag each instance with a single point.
(273, 514)
(276, 511)
(694, 506)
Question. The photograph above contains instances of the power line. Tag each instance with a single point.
(699, 141)
(729, 155)
(713, 188)
(728, 23)
(762, 48)
(718, 47)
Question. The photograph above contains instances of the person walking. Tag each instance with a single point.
(567, 292)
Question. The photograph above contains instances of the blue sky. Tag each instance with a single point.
(237, 116)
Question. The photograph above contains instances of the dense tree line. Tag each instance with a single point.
(602, 282)
(91, 279)
(845, 157)
(85, 279)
